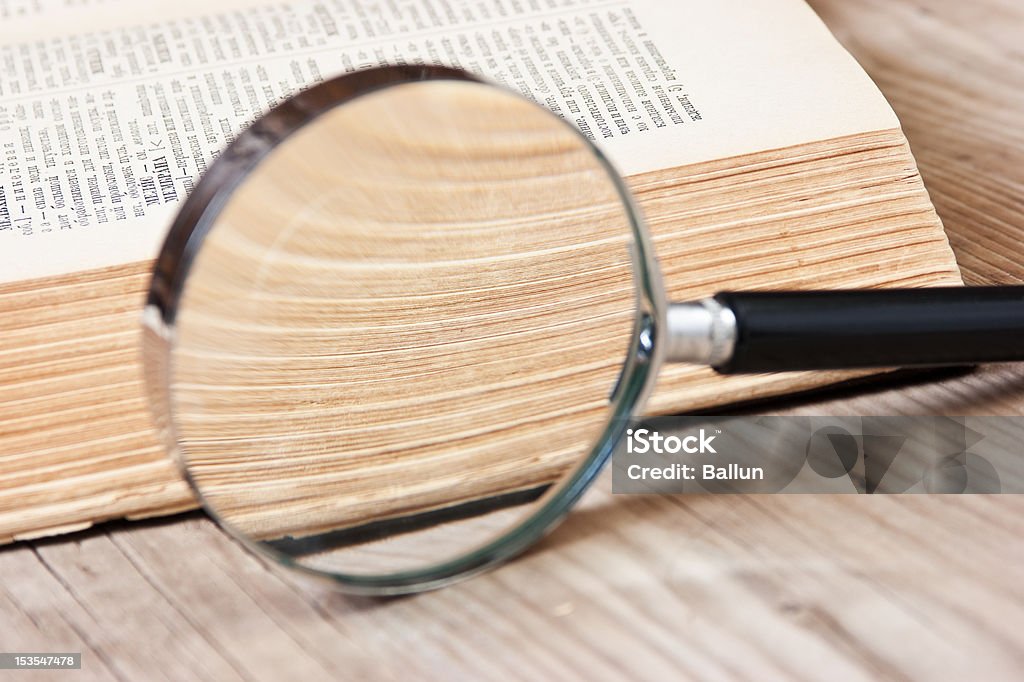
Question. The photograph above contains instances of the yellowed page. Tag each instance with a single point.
(111, 109)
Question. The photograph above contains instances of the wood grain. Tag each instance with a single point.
(760, 588)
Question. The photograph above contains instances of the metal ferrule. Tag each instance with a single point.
(702, 333)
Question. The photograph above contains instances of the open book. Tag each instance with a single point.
(759, 151)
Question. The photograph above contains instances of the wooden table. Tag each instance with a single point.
(647, 588)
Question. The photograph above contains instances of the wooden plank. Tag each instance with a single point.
(42, 616)
(653, 588)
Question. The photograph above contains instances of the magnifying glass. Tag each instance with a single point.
(404, 319)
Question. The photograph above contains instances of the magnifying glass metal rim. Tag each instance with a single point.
(197, 217)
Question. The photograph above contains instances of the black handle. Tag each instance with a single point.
(790, 331)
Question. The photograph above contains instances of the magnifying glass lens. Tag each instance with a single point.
(403, 330)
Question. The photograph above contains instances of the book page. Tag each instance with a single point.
(110, 110)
